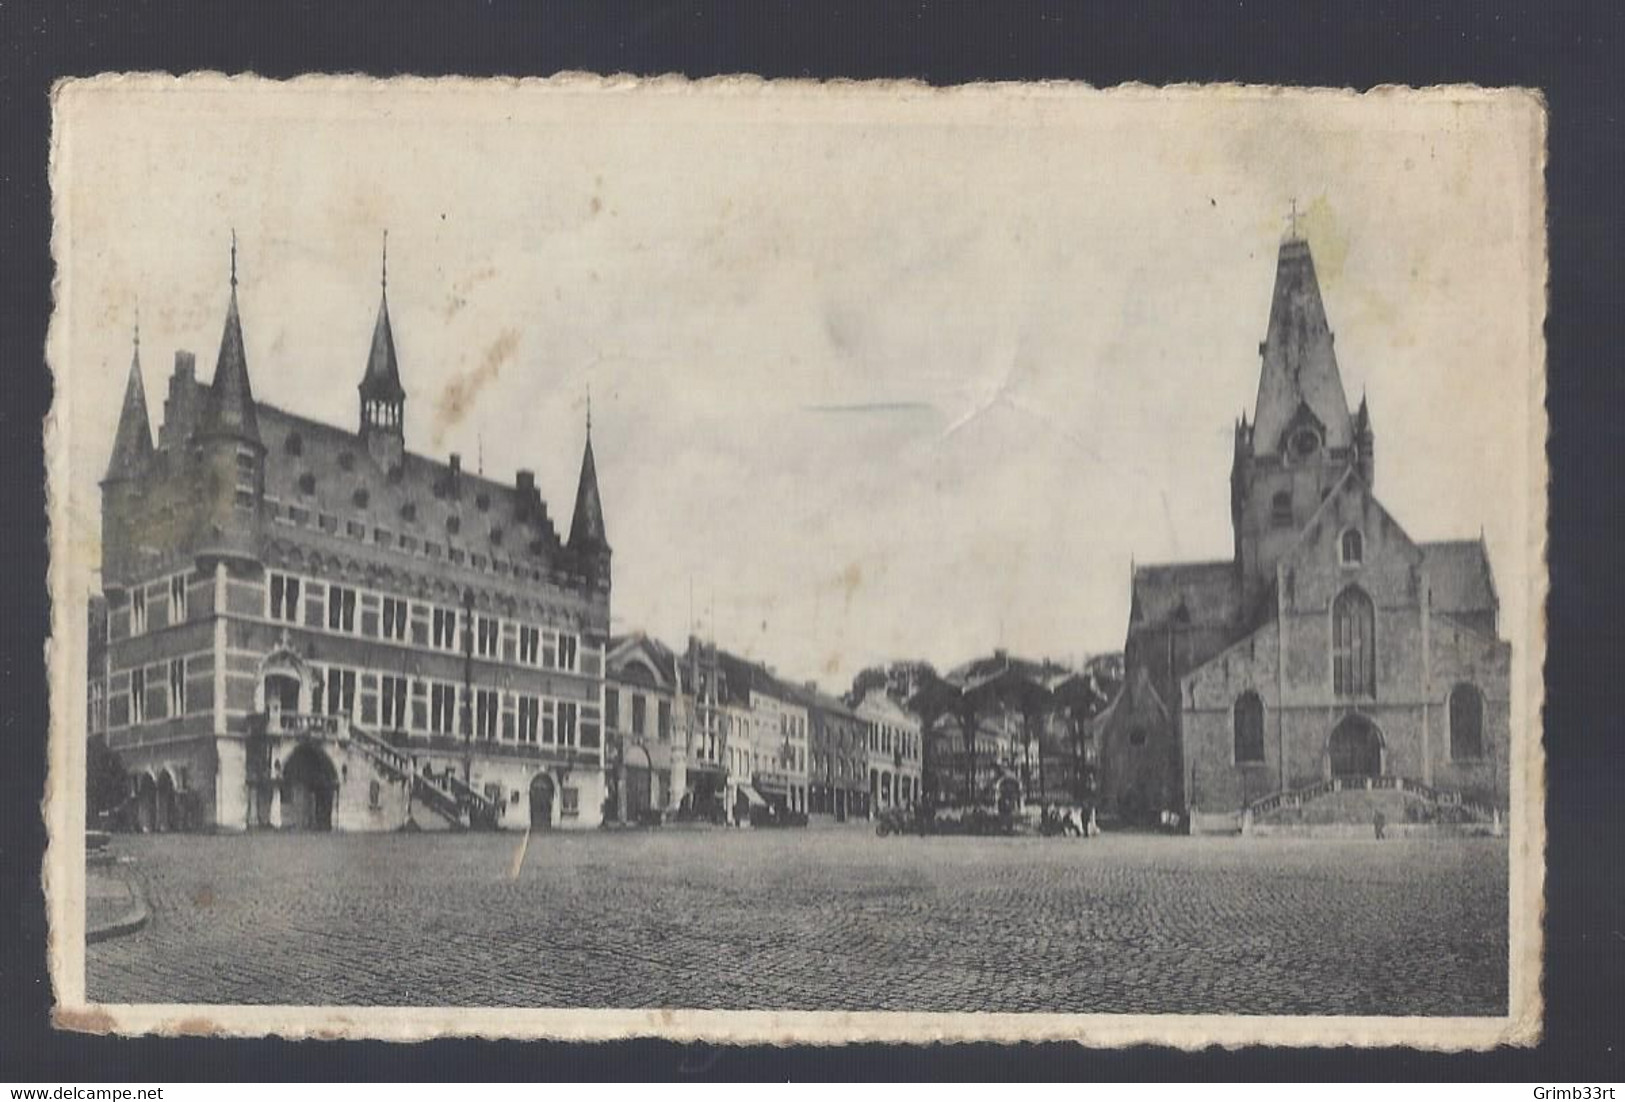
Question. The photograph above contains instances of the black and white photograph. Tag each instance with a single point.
(776, 561)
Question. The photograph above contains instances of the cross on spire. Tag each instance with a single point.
(589, 410)
(234, 258)
(138, 329)
(383, 276)
(1294, 219)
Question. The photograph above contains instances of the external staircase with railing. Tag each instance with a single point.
(447, 795)
(1355, 803)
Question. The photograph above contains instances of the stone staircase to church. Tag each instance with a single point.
(1351, 805)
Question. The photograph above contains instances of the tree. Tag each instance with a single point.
(106, 784)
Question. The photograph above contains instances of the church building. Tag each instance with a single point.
(1332, 651)
(312, 627)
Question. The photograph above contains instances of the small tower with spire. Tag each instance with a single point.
(232, 454)
(132, 444)
(383, 399)
(588, 540)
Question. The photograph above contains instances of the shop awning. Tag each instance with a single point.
(752, 796)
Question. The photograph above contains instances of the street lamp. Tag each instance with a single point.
(468, 687)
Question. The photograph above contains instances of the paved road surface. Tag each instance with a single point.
(827, 920)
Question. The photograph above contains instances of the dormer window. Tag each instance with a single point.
(1351, 547)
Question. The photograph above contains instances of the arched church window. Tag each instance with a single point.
(1249, 728)
(1354, 644)
(1353, 549)
(1466, 723)
(1281, 509)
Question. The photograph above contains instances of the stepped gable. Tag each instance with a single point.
(350, 483)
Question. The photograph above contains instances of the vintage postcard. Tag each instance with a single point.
(789, 562)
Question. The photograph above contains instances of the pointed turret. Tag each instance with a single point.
(132, 445)
(1365, 445)
(383, 399)
(587, 524)
(230, 409)
(1299, 386)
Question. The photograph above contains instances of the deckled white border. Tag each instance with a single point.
(63, 807)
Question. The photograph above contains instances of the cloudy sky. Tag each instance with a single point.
(873, 374)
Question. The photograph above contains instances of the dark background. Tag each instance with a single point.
(1571, 52)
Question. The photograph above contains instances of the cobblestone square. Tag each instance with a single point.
(818, 920)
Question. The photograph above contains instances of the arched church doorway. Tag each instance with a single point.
(541, 802)
(1355, 748)
(309, 790)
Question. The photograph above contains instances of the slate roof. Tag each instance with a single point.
(230, 409)
(326, 469)
(382, 379)
(1459, 573)
(587, 524)
(1202, 594)
(132, 445)
(1300, 366)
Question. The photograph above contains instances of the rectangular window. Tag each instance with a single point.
(394, 619)
(530, 642)
(177, 598)
(569, 802)
(340, 692)
(138, 611)
(612, 709)
(340, 608)
(487, 633)
(640, 714)
(567, 651)
(485, 713)
(442, 708)
(138, 696)
(663, 718)
(177, 686)
(510, 644)
(392, 702)
(420, 705)
(369, 699)
(529, 712)
(567, 723)
(445, 628)
(510, 729)
(549, 723)
(285, 598)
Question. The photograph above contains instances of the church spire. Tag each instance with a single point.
(1299, 384)
(230, 410)
(132, 444)
(382, 397)
(587, 524)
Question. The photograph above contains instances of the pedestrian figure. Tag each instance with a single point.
(1378, 822)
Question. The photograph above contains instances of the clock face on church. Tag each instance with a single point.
(1303, 444)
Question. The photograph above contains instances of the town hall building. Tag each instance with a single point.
(1331, 651)
(312, 627)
